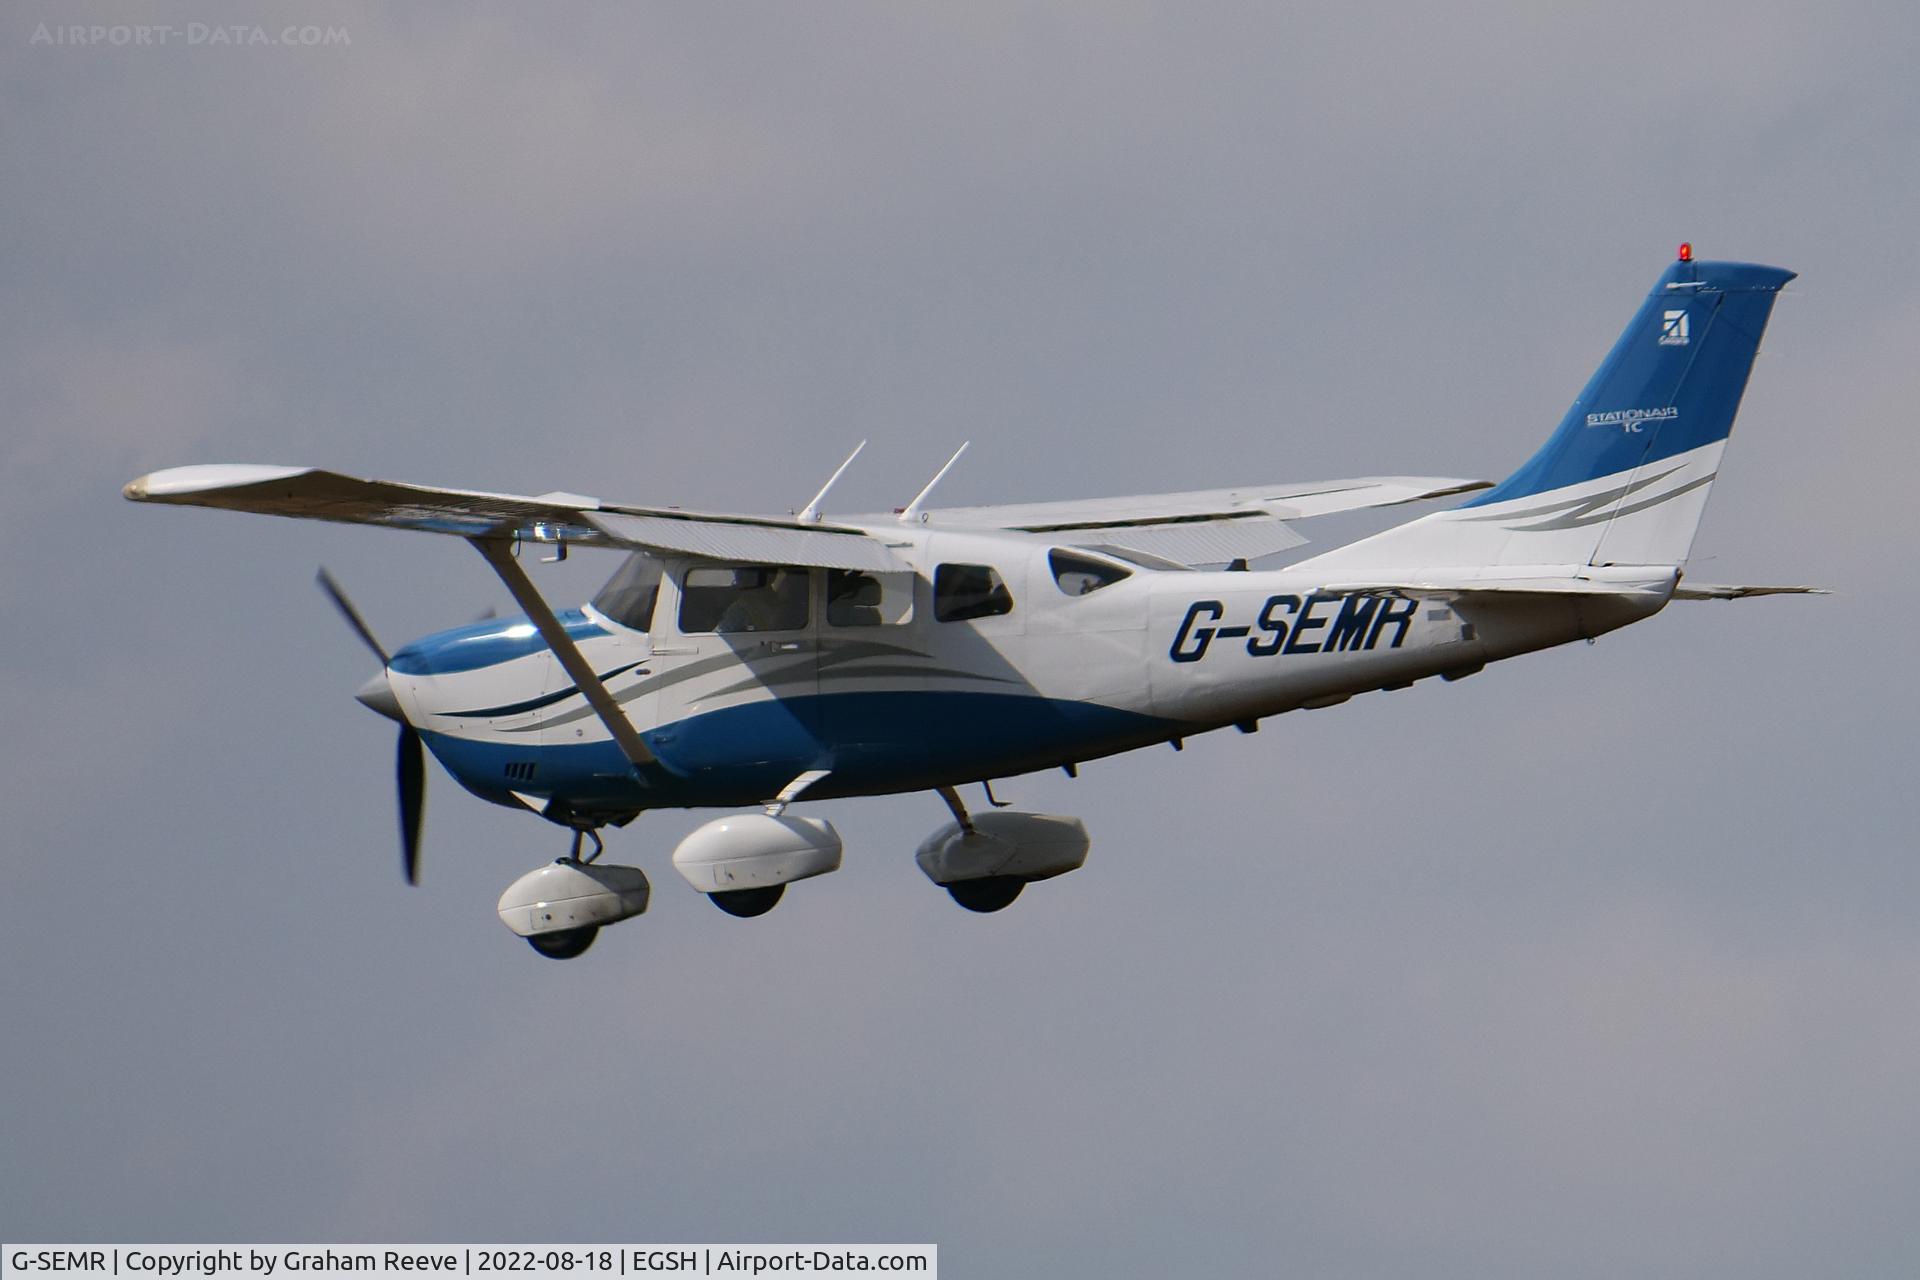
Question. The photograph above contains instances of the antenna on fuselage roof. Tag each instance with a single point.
(911, 513)
(811, 513)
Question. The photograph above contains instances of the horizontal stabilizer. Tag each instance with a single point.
(1716, 591)
(1585, 580)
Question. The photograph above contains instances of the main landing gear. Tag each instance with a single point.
(984, 862)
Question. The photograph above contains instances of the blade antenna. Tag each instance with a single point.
(912, 514)
(811, 515)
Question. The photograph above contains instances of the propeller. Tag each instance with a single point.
(410, 759)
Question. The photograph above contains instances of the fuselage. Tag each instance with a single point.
(996, 655)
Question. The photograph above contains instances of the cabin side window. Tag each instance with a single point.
(1079, 575)
(741, 598)
(857, 599)
(631, 593)
(965, 591)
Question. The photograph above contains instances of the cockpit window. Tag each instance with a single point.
(856, 599)
(964, 591)
(630, 594)
(1079, 575)
(741, 598)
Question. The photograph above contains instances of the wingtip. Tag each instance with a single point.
(179, 482)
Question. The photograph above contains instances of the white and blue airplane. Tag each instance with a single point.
(748, 662)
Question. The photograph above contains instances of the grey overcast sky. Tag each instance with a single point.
(1603, 963)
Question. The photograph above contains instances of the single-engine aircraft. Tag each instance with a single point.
(748, 662)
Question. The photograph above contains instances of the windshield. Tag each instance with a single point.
(630, 594)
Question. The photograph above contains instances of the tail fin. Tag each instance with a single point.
(1624, 479)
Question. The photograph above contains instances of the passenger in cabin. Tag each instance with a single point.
(853, 599)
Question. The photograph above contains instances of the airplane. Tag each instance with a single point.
(750, 662)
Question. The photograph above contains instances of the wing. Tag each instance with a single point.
(1203, 526)
(309, 494)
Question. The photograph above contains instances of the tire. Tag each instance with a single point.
(564, 944)
(747, 903)
(991, 893)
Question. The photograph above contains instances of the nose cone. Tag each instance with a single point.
(377, 695)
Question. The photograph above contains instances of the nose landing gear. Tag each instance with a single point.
(564, 944)
(560, 908)
(989, 894)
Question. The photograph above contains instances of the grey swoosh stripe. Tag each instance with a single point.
(1579, 506)
(1581, 519)
(534, 704)
(862, 673)
(836, 654)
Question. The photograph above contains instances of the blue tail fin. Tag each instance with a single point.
(1671, 383)
(1624, 478)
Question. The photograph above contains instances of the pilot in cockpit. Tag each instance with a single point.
(766, 599)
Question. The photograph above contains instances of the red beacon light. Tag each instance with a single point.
(1686, 251)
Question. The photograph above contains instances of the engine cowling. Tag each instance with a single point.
(757, 851)
(1022, 846)
(573, 895)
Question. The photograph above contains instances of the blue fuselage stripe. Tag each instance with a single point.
(872, 743)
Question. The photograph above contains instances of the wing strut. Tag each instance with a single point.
(498, 552)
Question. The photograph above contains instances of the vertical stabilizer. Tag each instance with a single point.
(1624, 478)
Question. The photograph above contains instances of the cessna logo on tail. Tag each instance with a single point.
(1673, 329)
(1630, 419)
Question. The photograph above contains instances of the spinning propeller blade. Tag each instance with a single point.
(410, 757)
(410, 775)
(351, 614)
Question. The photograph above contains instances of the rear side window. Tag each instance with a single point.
(856, 599)
(965, 591)
(1079, 575)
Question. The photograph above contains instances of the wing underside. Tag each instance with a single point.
(306, 493)
(1201, 526)
(1205, 526)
